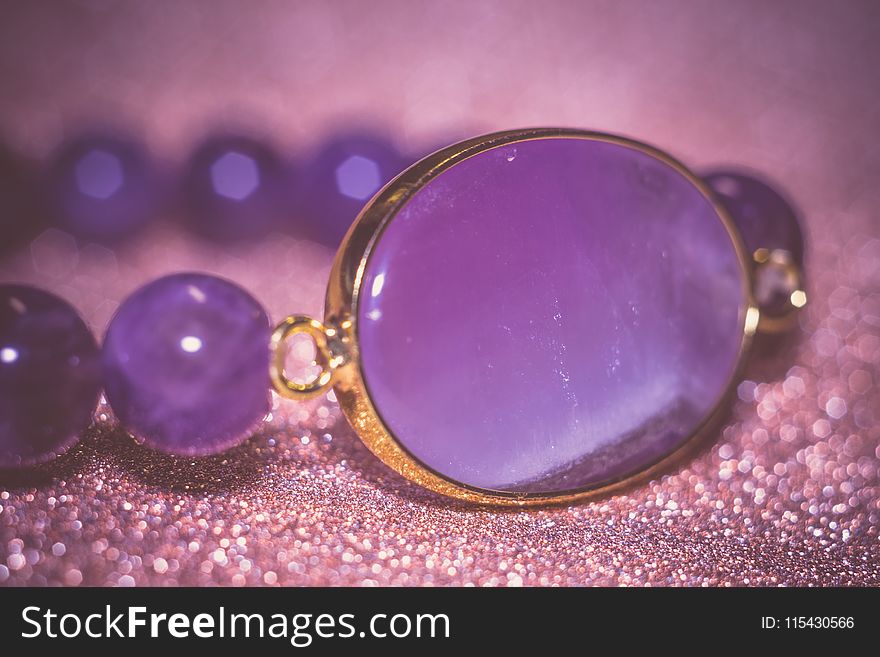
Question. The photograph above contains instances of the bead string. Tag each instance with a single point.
(184, 365)
(106, 188)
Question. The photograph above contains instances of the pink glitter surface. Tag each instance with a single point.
(786, 494)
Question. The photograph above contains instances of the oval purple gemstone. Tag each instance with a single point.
(50, 375)
(186, 362)
(551, 315)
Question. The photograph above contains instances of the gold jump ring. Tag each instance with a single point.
(324, 358)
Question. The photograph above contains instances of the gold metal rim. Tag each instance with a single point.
(341, 314)
(324, 357)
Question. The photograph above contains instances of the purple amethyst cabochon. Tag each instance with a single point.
(550, 315)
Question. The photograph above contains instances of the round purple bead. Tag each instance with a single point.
(50, 375)
(345, 173)
(764, 217)
(102, 188)
(550, 315)
(234, 189)
(186, 362)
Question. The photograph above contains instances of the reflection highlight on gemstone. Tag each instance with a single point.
(191, 344)
(378, 282)
(196, 293)
(8, 355)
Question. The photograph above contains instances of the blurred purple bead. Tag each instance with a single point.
(50, 375)
(186, 362)
(340, 179)
(103, 188)
(234, 189)
(764, 217)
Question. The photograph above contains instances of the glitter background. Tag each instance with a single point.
(787, 494)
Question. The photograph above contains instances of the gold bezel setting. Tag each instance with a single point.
(341, 305)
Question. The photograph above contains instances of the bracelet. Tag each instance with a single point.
(527, 317)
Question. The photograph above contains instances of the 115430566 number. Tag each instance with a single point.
(808, 623)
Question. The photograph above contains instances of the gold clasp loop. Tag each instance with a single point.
(322, 336)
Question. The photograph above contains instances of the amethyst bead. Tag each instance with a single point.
(767, 221)
(186, 364)
(103, 188)
(551, 315)
(340, 179)
(764, 217)
(50, 375)
(234, 189)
